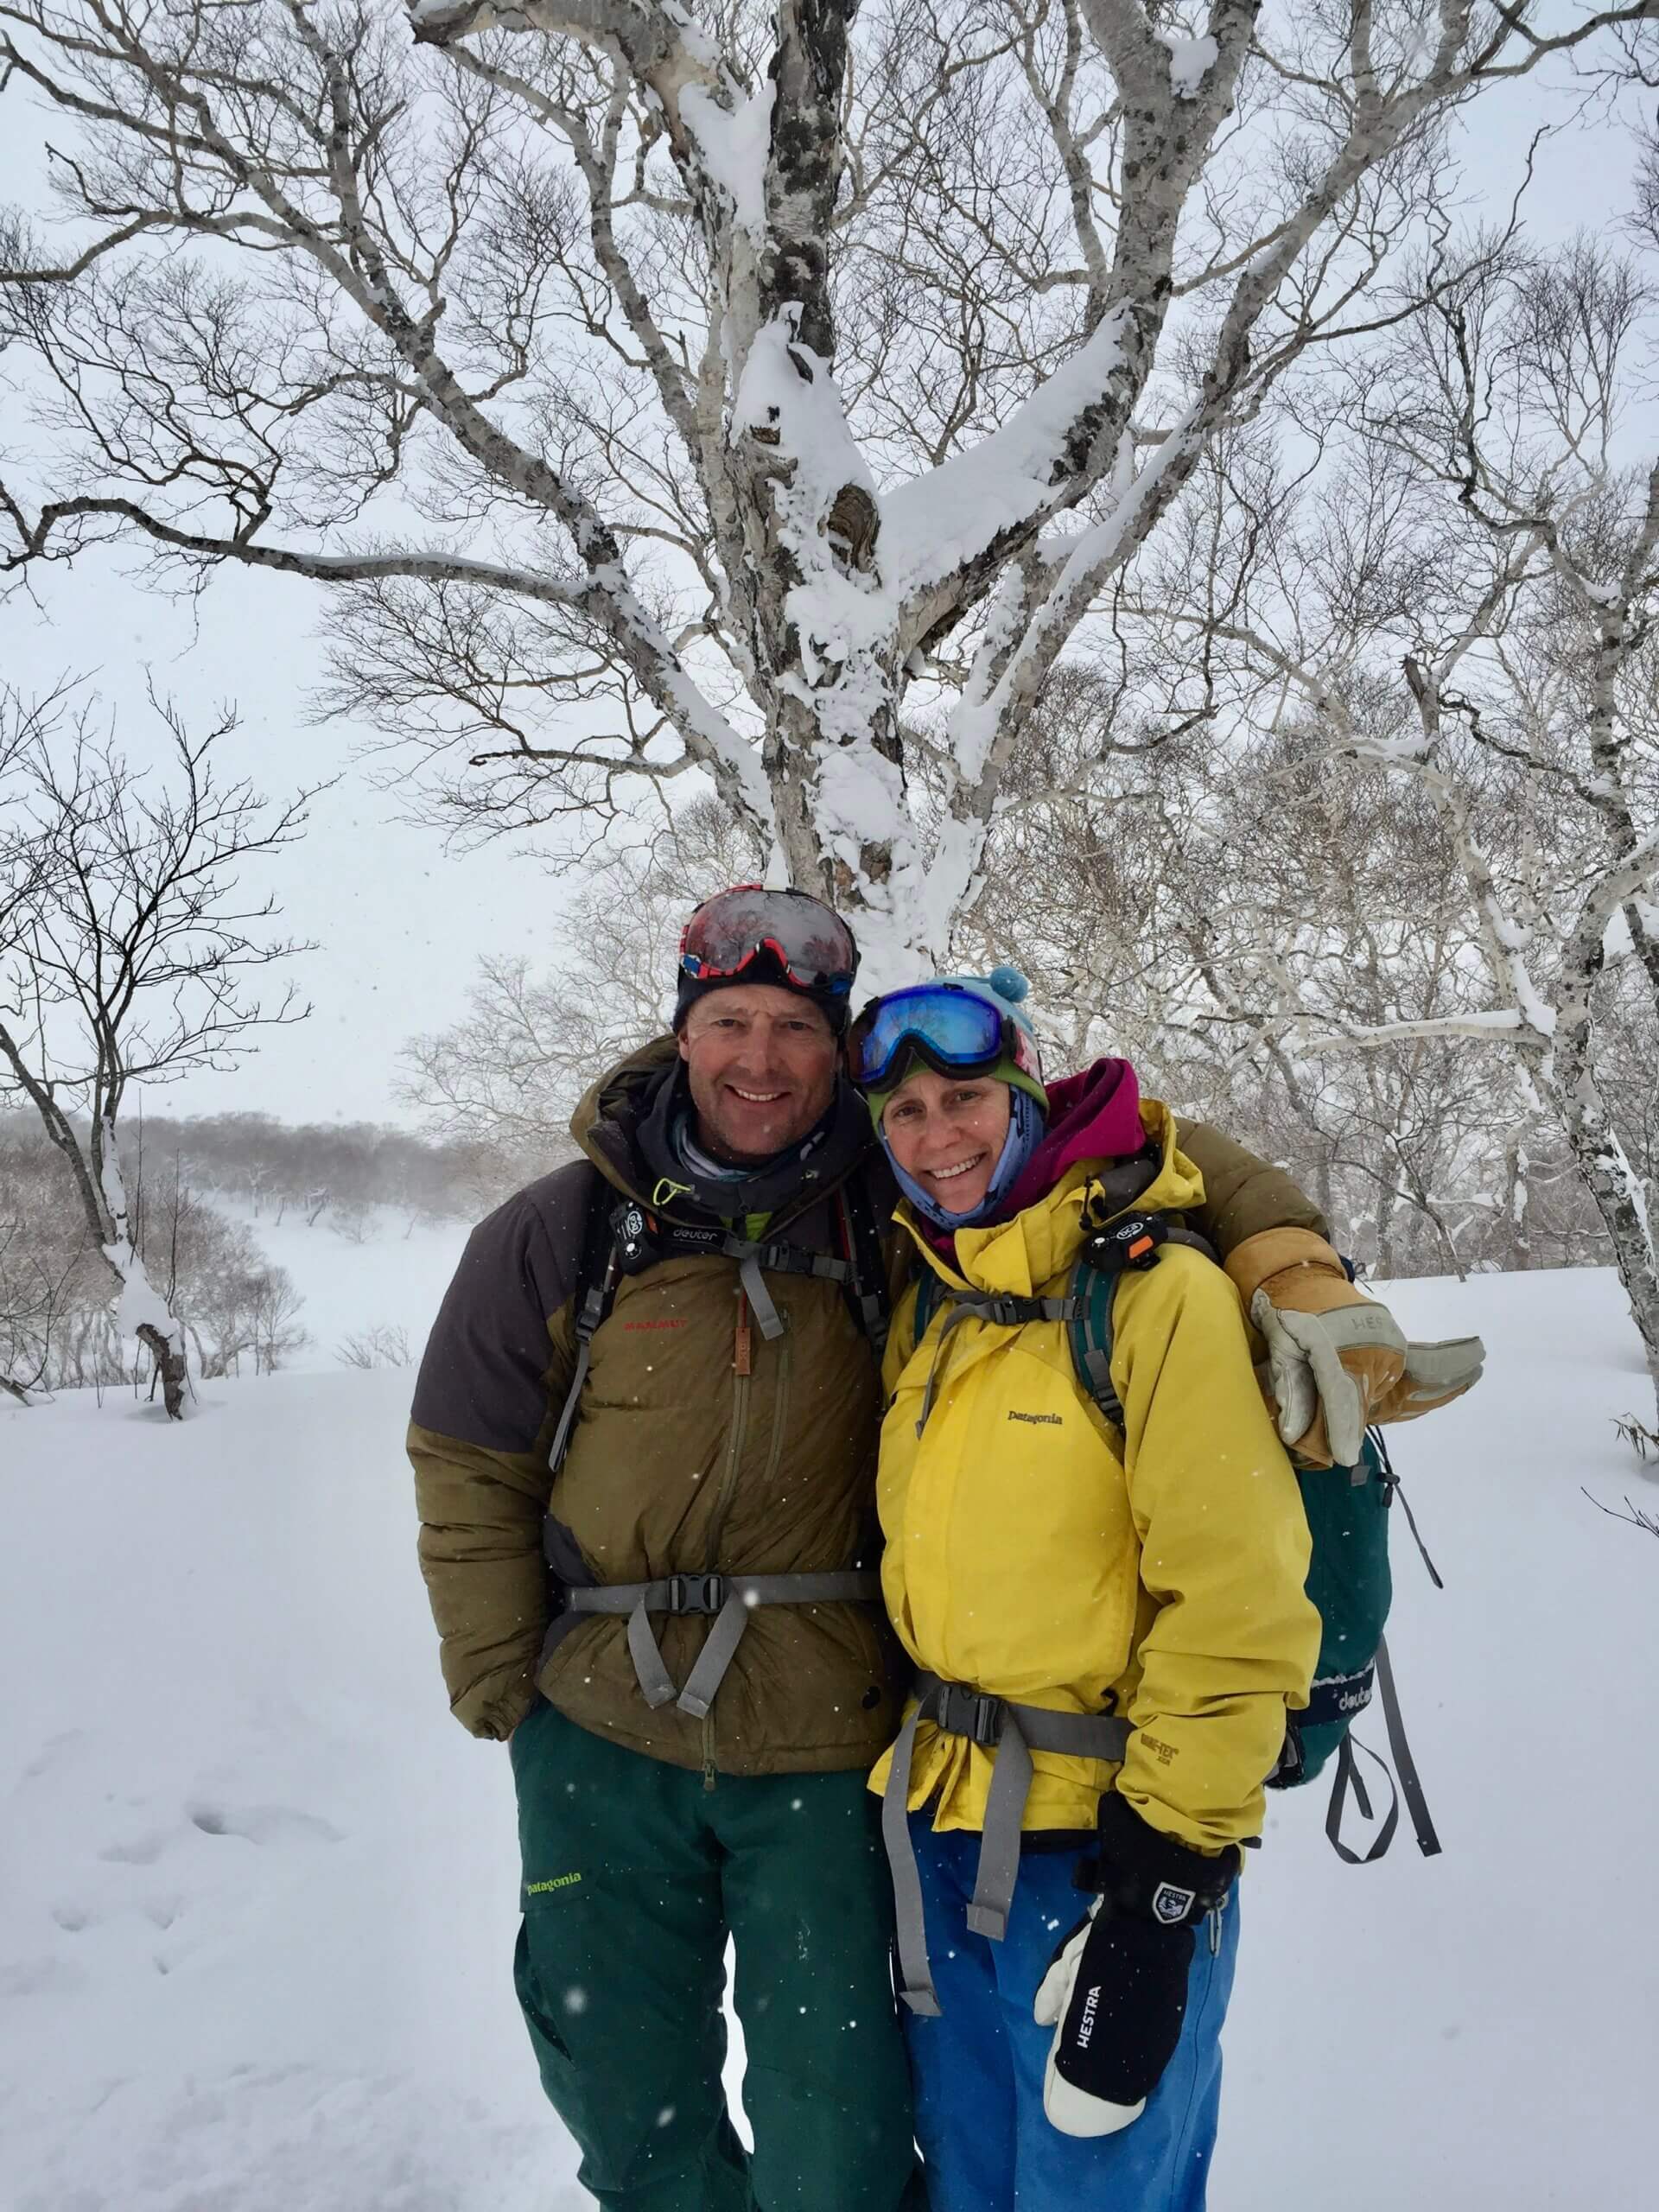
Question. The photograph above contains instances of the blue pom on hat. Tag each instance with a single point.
(1006, 987)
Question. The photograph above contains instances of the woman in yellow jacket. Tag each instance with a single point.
(1108, 1625)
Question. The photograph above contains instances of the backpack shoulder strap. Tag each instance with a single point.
(928, 1288)
(1094, 1295)
(597, 1269)
(1130, 1244)
(866, 1291)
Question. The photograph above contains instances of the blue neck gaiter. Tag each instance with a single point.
(1025, 1126)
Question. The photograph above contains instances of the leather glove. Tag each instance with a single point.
(1336, 1360)
(1327, 1371)
(1115, 1993)
(1435, 1374)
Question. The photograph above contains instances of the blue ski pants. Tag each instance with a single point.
(977, 2071)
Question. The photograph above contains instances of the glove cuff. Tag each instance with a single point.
(1144, 1875)
(1273, 1252)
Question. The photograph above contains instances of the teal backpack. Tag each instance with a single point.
(1349, 1511)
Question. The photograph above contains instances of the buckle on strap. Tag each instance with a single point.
(696, 1593)
(961, 1710)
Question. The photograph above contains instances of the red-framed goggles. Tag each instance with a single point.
(956, 1032)
(812, 945)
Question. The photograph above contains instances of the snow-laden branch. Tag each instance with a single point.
(436, 566)
(663, 47)
(935, 527)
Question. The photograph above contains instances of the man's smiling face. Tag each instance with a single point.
(761, 1063)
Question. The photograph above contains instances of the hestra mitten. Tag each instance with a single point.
(1116, 1989)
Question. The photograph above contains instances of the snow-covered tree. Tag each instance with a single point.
(1464, 601)
(769, 391)
(126, 960)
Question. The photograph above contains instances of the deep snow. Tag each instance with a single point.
(392, 1276)
(258, 1891)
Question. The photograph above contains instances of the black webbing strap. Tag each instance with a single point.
(1392, 1489)
(1348, 1780)
(597, 1271)
(1405, 1765)
(867, 1292)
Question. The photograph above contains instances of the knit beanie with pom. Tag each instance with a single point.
(1006, 990)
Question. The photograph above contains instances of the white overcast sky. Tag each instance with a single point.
(398, 922)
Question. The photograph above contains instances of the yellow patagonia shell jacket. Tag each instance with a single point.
(1035, 1552)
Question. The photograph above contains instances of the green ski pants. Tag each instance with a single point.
(634, 1875)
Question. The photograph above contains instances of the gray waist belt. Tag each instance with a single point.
(730, 1598)
(958, 1709)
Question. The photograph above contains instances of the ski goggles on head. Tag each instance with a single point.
(812, 945)
(955, 1032)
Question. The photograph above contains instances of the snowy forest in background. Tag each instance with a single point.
(1122, 488)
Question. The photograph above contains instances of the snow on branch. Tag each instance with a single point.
(938, 525)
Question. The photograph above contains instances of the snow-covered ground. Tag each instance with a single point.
(257, 1892)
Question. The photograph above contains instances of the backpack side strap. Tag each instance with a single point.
(1014, 1731)
(1429, 1841)
(1411, 1788)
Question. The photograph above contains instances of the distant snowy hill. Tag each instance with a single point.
(258, 1891)
(391, 1275)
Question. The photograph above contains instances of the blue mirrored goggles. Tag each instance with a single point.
(956, 1032)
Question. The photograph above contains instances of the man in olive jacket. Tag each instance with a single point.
(697, 1685)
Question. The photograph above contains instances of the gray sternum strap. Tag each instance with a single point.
(1009, 1309)
(1004, 1308)
(784, 1260)
(730, 1598)
(958, 1709)
(760, 1297)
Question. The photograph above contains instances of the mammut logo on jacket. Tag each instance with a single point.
(1038, 1421)
(682, 1323)
(553, 1882)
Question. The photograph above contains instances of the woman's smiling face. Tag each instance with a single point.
(947, 1133)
